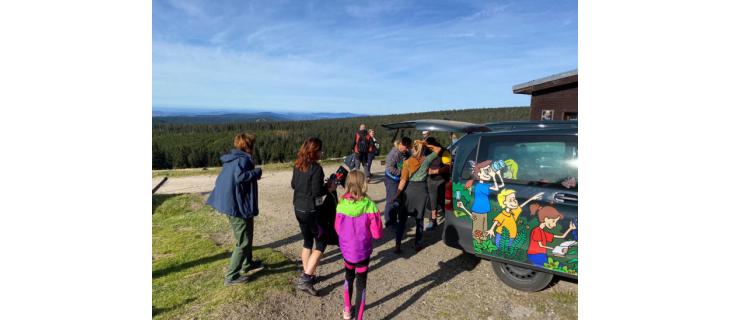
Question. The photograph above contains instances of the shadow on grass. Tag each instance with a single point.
(190, 264)
(158, 199)
(159, 311)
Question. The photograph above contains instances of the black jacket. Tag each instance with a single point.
(307, 186)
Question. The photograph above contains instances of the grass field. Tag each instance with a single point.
(190, 249)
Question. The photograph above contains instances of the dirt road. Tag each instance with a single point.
(438, 282)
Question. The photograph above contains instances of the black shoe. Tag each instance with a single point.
(417, 247)
(305, 284)
(397, 249)
(239, 280)
(255, 267)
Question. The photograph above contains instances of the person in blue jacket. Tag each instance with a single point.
(236, 194)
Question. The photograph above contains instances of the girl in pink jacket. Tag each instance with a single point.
(357, 222)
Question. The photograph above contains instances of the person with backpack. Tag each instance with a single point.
(310, 192)
(236, 195)
(362, 146)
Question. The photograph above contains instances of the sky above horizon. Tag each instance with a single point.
(371, 57)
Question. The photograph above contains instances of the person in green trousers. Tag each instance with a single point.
(236, 194)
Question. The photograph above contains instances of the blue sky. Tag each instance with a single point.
(374, 57)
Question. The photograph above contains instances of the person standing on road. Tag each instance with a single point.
(362, 146)
(438, 173)
(309, 192)
(236, 195)
(357, 223)
(375, 150)
(393, 165)
(412, 191)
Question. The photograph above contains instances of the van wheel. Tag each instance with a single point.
(521, 278)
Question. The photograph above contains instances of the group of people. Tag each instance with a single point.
(415, 175)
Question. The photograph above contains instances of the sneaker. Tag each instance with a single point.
(305, 284)
(346, 314)
(239, 280)
(255, 266)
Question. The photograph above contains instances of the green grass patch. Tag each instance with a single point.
(191, 245)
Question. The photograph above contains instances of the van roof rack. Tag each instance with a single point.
(531, 125)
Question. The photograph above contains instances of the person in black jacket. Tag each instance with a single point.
(236, 195)
(309, 193)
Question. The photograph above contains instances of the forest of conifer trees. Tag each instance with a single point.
(201, 145)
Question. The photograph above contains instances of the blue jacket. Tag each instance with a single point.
(236, 190)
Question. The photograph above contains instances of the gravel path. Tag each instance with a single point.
(438, 282)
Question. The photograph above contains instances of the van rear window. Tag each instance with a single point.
(543, 162)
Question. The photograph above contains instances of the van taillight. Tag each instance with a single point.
(447, 197)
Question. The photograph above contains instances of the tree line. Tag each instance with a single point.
(201, 145)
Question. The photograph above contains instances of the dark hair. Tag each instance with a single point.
(432, 141)
(406, 141)
(308, 153)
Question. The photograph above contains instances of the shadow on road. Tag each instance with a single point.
(447, 271)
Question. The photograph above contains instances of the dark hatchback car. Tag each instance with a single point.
(513, 197)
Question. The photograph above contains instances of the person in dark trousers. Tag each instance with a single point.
(375, 150)
(393, 165)
(236, 194)
(362, 146)
(412, 195)
(438, 173)
(309, 193)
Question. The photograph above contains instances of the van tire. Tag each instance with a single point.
(522, 279)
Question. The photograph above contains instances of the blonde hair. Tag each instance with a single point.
(244, 142)
(503, 195)
(355, 185)
(418, 146)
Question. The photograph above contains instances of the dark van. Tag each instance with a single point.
(513, 197)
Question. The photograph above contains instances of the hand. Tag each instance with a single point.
(460, 205)
(572, 226)
(490, 233)
(433, 171)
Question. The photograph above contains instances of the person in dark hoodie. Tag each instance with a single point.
(236, 194)
(309, 193)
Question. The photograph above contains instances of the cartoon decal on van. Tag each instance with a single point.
(480, 207)
(499, 229)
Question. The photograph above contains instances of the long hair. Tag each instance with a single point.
(475, 172)
(418, 147)
(308, 154)
(355, 185)
(244, 142)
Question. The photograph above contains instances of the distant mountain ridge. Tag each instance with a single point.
(199, 116)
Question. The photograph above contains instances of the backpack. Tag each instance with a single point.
(362, 142)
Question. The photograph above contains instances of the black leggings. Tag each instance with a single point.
(356, 273)
(311, 231)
